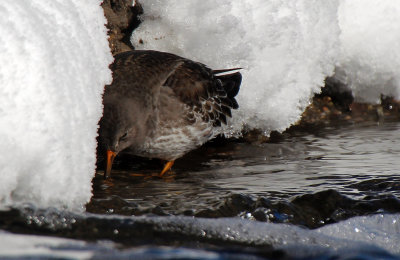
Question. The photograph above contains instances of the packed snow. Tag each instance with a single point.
(370, 48)
(54, 65)
(286, 48)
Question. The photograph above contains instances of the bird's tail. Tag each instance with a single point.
(231, 83)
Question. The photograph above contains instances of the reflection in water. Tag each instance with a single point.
(353, 160)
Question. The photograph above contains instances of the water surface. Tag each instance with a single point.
(354, 160)
(316, 193)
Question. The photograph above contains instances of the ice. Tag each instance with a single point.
(54, 65)
(382, 230)
(286, 49)
(370, 50)
(377, 234)
(39, 247)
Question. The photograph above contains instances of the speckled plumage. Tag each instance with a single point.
(160, 105)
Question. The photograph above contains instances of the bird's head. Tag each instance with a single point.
(121, 127)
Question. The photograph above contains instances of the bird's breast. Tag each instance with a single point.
(170, 143)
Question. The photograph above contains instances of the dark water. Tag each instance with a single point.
(353, 161)
(302, 196)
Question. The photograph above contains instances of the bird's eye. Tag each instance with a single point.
(123, 137)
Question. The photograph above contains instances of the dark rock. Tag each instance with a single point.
(317, 209)
(339, 93)
(261, 214)
(233, 206)
(122, 19)
(309, 210)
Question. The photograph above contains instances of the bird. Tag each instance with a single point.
(161, 105)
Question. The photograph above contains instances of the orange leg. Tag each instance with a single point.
(167, 166)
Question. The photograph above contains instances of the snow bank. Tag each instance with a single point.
(370, 50)
(54, 65)
(286, 49)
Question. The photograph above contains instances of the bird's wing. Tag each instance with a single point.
(141, 71)
(210, 94)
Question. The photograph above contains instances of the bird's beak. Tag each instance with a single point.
(110, 158)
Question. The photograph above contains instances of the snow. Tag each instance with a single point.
(382, 230)
(286, 49)
(54, 65)
(370, 48)
(40, 247)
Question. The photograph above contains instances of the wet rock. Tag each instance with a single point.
(254, 136)
(131, 231)
(321, 208)
(112, 205)
(261, 214)
(335, 105)
(122, 19)
(233, 206)
(157, 210)
(309, 210)
(380, 185)
(338, 92)
(317, 209)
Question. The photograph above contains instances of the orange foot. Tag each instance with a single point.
(167, 166)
